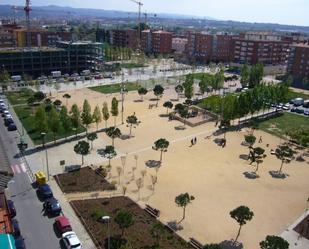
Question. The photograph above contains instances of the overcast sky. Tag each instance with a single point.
(295, 12)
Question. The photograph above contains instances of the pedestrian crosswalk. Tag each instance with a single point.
(19, 168)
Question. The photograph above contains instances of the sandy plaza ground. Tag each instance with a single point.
(214, 175)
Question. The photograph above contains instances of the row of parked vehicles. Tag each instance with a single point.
(52, 208)
(6, 115)
(300, 106)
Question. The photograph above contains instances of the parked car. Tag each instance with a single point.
(306, 104)
(286, 107)
(63, 224)
(45, 191)
(8, 121)
(298, 101)
(293, 109)
(299, 110)
(16, 229)
(12, 127)
(20, 243)
(71, 240)
(306, 112)
(11, 208)
(52, 206)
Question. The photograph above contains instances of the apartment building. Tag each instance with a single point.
(252, 48)
(123, 38)
(156, 42)
(179, 44)
(40, 38)
(298, 63)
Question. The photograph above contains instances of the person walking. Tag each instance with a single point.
(195, 140)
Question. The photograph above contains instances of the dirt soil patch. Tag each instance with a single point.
(303, 228)
(137, 236)
(83, 180)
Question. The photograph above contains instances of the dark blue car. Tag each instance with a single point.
(45, 191)
(52, 206)
(20, 243)
(11, 208)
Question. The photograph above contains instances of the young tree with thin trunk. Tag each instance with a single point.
(109, 153)
(54, 122)
(258, 154)
(91, 137)
(179, 90)
(142, 92)
(75, 117)
(168, 105)
(139, 185)
(124, 219)
(119, 170)
(86, 115)
(183, 200)
(67, 97)
(154, 180)
(97, 117)
(132, 121)
(105, 113)
(274, 242)
(114, 109)
(41, 120)
(113, 133)
(82, 148)
(65, 121)
(285, 154)
(250, 140)
(161, 145)
(158, 91)
(242, 215)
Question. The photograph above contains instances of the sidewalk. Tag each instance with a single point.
(77, 226)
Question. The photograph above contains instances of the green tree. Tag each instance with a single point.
(113, 133)
(274, 242)
(142, 91)
(188, 86)
(109, 153)
(158, 91)
(244, 75)
(161, 145)
(97, 116)
(41, 120)
(132, 121)
(67, 97)
(183, 200)
(82, 148)
(250, 140)
(179, 90)
(75, 117)
(168, 105)
(203, 84)
(114, 109)
(242, 215)
(65, 120)
(4, 79)
(86, 116)
(212, 246)
(124, 219)
(54, 122)
(184, 114)
(57, 103)
(105, 113)
(256, 75)
(285, 154)
(91, 137)
(257, 156)
(156, 231)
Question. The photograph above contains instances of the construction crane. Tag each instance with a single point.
(140, 4)
(27, 10)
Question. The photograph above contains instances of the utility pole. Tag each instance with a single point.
(122, 91)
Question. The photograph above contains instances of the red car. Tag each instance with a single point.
(63, 224)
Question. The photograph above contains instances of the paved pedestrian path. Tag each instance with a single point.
(68, 211)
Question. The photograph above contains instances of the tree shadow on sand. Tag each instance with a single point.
(153, 163)
(231, 244)
(180, 128)
(243, 157)
(278, 175)
(251, 175)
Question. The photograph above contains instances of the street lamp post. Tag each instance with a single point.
(122, 91)
(43, 134)
(107, 219)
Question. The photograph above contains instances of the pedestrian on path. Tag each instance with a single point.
(260, 140)
(195, 140)
(192, 142)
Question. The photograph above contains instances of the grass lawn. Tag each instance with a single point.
(115, 88)
(20, 97)
(137, 236)
(278, 126)
(293, 95)
(26, 116)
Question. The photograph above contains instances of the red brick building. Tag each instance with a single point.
(123, 38)
(298, 64)
(251, 48)
(156, 42)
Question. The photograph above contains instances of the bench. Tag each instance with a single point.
(196, 244)
(72, 168)
(152, 211)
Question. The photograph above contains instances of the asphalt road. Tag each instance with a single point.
(36, 229)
